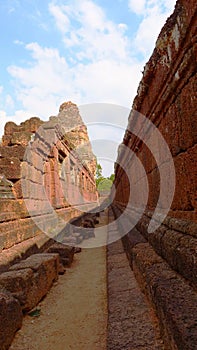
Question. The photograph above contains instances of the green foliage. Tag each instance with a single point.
(103, 184)
(98, 171)
(112, 177)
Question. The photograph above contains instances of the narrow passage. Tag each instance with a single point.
(96, 305)
(74, 312)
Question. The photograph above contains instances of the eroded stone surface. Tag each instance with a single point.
(10, 319)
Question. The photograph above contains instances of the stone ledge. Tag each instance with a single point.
(10, 319)
(177, 248)
(170, 241)
(173, 299)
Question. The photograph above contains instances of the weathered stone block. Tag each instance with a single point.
(169, 246)
(173, 299)
(21, 138)
(31, 125)
(16, 151)
(31, 279)
(66, 253)
(20, 283)
(23, 250)
(177, 308)
(12, 210)
(132, 239)
(10, 128)
(10, 167)
(16, 231)
(10, 319)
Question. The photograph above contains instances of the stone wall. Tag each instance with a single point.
(43, 174)
(167, 97)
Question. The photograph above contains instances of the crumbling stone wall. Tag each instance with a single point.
(165, 260)
(37, 176)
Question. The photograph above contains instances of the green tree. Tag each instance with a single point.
(98, 171)
(103, 184)
(112, 177)
(99, 175)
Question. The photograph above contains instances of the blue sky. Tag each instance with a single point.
(86, 51)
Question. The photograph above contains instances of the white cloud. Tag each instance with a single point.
(95, 36)
(39, 85)
(102, 68)
(143, 7)
(9, 102)
(123, 26)
(42, 87)
(18, 42)
(61, 18)
(137, 6)
(154, 14)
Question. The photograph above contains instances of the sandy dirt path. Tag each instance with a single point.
(74, 313)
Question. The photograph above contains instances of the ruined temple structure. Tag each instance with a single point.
(36, 159)
(145, 302)
(47, 177)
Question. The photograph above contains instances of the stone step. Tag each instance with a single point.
(130, 325)
(171, 296)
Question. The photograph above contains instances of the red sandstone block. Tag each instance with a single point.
(190, 165)
(55, 152)
(190, 8)
(16, 151)
(16, 231)
(35, 159)
(12, 210)
(187, 114)
(184, 215)
(154, 188)
(11, 168)
(147, 159)
(31, 173)
(182, 200)
(170, 129)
